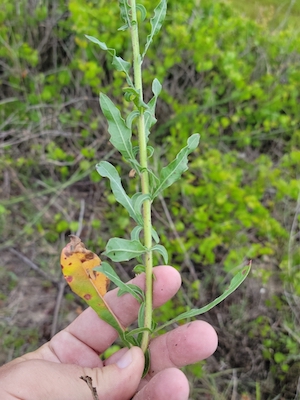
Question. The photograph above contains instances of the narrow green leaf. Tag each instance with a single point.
(132, 94)
(154, 180)
(156, 22)
(131, 117)
(135, 233)
(153, 326)
(97, 41)
(124, 12)
(132, 339)
(137, 331)
(139, 269)
(161, 250)
(156, 87)
(147, 363)
(142, 10)
(150, 151)
(150, 119)
(118, 249)
(136, 150)
(134, 162)
(123, 28)
(120, 134)
(175, 169)
(141, 315)
(121, 65)
(117, 62)
(138, 200)
(134, 290)
(234, 284)
(108, 271)
(107, 170)
(155, 235)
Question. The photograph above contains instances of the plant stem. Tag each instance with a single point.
(137, 66)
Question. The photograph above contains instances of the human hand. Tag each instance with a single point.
(54, 370)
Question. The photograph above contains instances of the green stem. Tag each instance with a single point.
(137, 67)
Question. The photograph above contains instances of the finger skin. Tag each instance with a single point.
(81, 343)
(169, 384)
(40, 379)
(88, 336)
(182, 346)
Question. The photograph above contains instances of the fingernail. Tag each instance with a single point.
(125, 360)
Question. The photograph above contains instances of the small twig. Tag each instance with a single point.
(81, 215)
(287, 15)
(88, 380)
(294, 308)
(60, 293)
(32, 265)
(293, 334)
(234, 385)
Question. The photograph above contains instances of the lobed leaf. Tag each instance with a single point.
(236, 281)
(161, 250)
(172, 172)
(120, 134)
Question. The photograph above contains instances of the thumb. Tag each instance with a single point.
(39, 379)
(120, 381)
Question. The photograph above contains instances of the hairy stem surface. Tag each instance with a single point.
(144, 176)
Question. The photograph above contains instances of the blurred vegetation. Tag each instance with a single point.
(231, 78)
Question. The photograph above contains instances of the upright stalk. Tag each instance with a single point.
(137, 66)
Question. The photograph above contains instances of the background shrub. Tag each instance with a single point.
(224, 75)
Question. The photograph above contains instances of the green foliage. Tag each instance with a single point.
(223, 75)
(20, 340)
(280, 346)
